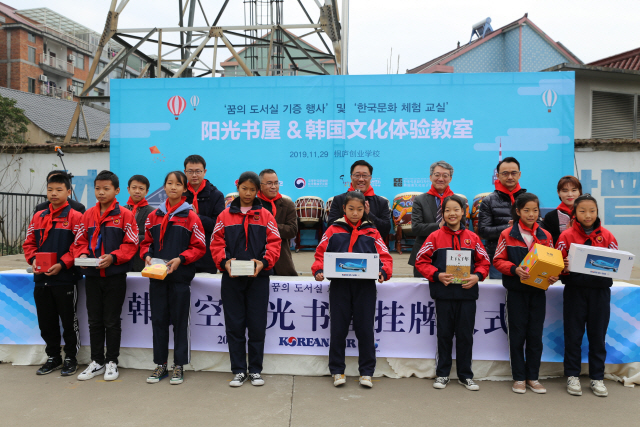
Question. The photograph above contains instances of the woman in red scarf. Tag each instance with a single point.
(558, 220)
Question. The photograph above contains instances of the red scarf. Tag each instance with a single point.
(367, 193)
(135, 206)
(98, 220)
(564, 208)
(434, 193)
(165, 220)
(501, 188)
(596, 227)
(261, 196)
(531, 230)
(195, 193)
(48, 220)
(456, 242)
(355, 233)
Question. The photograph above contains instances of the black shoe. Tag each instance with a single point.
(53, 363)
(69, 367)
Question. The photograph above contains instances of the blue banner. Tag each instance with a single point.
(311, 129)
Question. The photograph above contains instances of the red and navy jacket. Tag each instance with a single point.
(510, 252)
(118, 238)
(600, 237)
(183, 238)
(338, 237)
(59, 240)
(253, 235)
(432, 260)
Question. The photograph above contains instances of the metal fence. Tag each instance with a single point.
(16, 210)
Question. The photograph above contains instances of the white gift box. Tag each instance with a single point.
(242, 268)
(600, 262)
(351, 265)
(86, 262)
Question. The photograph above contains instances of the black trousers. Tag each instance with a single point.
(55, 304)
(455, 317)
(352, 298)
(588, 307)
(525, 322)
(170, 303)
(105, 297)
(245, 301)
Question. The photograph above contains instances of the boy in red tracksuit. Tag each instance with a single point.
(110, 233)
(455, 302)
(56, 289)
(353, 298)
(246, 231)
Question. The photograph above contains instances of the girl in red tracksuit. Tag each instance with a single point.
(246, 231)
(455, 302)
(525, 305)
(353, 297)
(587, 299)
(173, 232)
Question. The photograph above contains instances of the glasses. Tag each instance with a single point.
(270, 184)
(195, 172)
(438, 175)
(508, 174)
(359, 176)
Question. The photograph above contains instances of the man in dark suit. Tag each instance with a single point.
(426, 214)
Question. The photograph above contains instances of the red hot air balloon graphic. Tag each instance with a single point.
(176, 105)
(549, 97)
(194, 102)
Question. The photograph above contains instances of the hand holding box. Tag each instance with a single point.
(541, 263)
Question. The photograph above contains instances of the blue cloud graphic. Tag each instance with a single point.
(136, 130)
(523, 139)
(560, 86)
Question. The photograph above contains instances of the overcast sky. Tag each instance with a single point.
(416, 30)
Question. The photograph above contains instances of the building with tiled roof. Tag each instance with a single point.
(629, 60)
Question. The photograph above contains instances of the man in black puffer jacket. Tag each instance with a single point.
(495, 209)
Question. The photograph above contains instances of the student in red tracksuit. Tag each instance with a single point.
(110, 233)
(56, 289)
(246, 231)
(587, 299)
(353, 298)
(173, 232)
(525, 305)
(455, 302)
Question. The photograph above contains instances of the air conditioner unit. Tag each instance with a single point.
(71, 88)
(105, 80)
(43, 78)
(72, 58)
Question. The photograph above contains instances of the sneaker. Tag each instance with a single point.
(536, 387)
(469, 384)
(238, 380)
(178, 375)
(111, 372)
(365, 381)
(69, 367)
(256, 379)
(519, 387)
(573, 386)
(441, 382)
(598, 388)
(52, 364)
(339, 379)
(159, 373)
(92, 370)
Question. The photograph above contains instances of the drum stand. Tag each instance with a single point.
(399, 245)
(318, 226)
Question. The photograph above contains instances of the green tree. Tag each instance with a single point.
(13, 122)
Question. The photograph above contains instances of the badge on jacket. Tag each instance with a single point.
(256, 217)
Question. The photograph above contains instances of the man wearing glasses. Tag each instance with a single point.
(208, 203)
(375, 206)
(426, 214)
(284, 211)
(495, 209)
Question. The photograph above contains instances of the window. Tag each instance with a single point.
(77, 88)
(614, 115)
(79, 60)
(32, 85)
(31, 38)
(32, 54)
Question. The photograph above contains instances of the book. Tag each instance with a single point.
(458, 264)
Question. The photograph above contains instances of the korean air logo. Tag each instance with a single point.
(292, 341)
(308, 342)
(300, 183)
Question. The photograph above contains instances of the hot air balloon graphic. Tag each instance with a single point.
(549, 97)
(195, 101)
(176, 105)
(157, 154)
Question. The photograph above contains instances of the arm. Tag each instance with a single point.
(146, 246)
(486, 228)
(386, 260)
(500, 259)
(318, 264)
(218, 245)
(419, 226)
(197, 246)
(613, 244)
(67, 260)
(129, 245)
(481, 262)
(30, 246)
(272, 252)
(423, 260)
(336, 211)
(289, 229)
(381, 219)
(81, 244)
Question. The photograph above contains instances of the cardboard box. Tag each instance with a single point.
(45, 260)
(242, 268)
(155, 271)
(351, 265)
(86, 262)
(600, 262)
(459, 264)
(542, 262)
